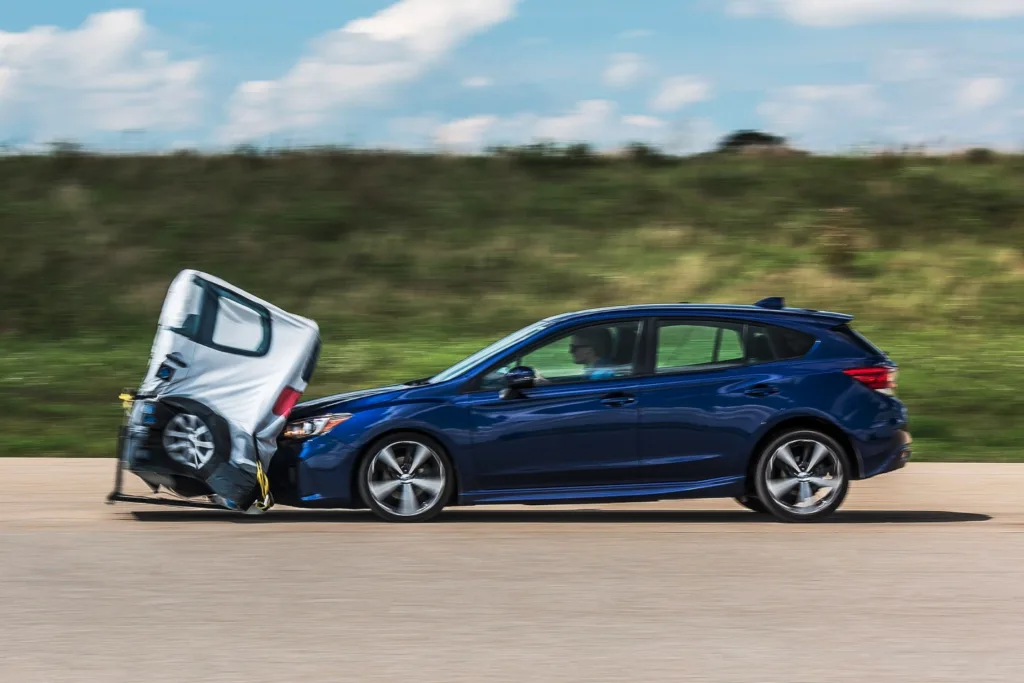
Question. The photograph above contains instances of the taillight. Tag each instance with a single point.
(881, 379)
(286, 401)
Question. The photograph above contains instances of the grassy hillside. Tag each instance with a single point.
(411, 262)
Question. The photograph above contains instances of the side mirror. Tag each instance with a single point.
(520, 377)
(517, 379)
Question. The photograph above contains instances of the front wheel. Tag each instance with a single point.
(406, 478)
(802, 476)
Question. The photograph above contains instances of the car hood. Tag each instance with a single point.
(319, 405)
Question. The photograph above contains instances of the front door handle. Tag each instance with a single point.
(761, 390)
(618, 400)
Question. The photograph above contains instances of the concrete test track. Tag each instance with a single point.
(920, 579)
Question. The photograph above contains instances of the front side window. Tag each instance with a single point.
(594, 353)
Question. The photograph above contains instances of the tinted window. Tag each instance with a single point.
(767, 343)
(859, 340)
(589, 354)
(687, 345)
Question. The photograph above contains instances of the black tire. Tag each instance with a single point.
(753, 503)
(403, 445)
(219, 430)
(836, 461)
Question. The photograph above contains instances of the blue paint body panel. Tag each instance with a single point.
(643, 437)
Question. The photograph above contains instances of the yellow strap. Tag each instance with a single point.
(266, 503)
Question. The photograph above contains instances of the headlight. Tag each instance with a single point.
(314, 426)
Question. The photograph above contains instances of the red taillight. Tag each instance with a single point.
(286, 401)
(881, 379)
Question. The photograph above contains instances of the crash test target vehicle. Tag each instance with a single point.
(224, 371)
(778, 408)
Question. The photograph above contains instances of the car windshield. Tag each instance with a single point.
(496, 347)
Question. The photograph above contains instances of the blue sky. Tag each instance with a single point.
(462, 74)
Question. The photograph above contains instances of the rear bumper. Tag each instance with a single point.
(894, 456)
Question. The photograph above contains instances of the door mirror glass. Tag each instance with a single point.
(520, 377)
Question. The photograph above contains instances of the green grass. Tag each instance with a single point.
(410, 263)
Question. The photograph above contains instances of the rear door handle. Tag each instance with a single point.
(617, 400)
(760, 390)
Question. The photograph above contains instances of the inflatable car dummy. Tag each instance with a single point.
(225, 370)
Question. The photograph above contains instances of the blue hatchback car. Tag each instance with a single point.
(779, 408)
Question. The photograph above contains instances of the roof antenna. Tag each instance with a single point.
(776, 302)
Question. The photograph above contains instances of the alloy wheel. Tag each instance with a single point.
(803, 476)
(188, 440)
(406, 478)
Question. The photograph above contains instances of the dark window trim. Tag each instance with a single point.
(312, 361)
(641, 362)
(769, 327)
(202, 333)
(717, 323)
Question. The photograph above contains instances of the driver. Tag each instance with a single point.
(590, 348)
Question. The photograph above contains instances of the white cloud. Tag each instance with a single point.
(848, 12)
(699, 135)
(105, 76)
(464, 135)
(640, 121)
(947, 105)
(814, 112)
(680, 91)
(595, 122)
(359, 63)
(982, 92)
(586, 122)
(900, 66)
(477, 82)
(624, 69)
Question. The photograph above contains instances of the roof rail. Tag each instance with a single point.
(776, 302)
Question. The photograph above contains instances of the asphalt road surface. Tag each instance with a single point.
(919, 580)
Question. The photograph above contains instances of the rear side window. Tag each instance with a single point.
(228, 322)
(687, 346)
(766, 343)
(238, 327)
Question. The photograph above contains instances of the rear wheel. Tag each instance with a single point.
(802, 476)
(196, 437)
(406, 478)
(188, 440)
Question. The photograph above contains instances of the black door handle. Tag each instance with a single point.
(616, 400)
(760, 390)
